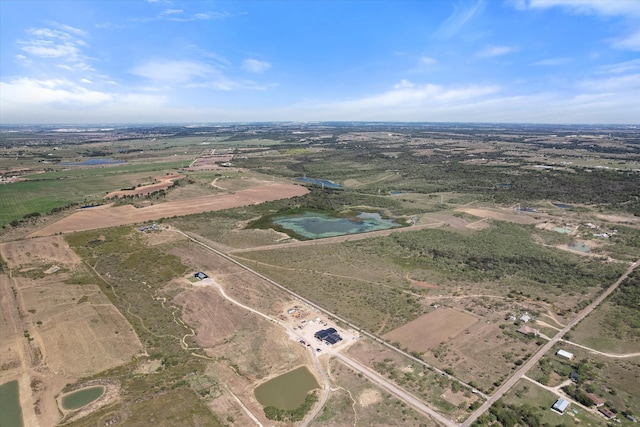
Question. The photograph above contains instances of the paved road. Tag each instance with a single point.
(545, 348)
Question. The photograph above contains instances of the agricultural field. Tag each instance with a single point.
(501, 225)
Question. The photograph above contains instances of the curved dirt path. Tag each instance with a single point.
(614, 355)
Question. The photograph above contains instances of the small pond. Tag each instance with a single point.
(81, 398)
(322, 182)
(287, 391)
(313, 225)
(10, 411)
(94, 162)
(580, 247)
(562, 230)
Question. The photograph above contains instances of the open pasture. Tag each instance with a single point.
(81, 332)
(107, 216)
(431, 329)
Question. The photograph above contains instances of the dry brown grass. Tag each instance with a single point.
(431, 329)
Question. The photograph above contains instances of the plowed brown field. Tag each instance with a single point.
(107, 216)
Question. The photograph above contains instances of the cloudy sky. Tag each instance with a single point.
(127, 61)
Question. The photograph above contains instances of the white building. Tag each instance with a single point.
(565, 354)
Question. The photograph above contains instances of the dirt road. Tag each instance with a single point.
(545, 348)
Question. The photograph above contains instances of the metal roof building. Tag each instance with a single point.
(561, 405)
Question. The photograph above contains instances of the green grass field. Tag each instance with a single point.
(40, 193)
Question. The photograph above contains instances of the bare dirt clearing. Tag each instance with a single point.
(163, 182)
(82, 333)
(51, 250)
(500, 214)
(431, 329)
(107, 216)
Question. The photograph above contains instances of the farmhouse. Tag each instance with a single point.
(330, 336)
(565, 354)
(597, 400)
(525, 318)
(200, 275)
(561, 405)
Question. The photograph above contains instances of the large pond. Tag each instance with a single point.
(83, 397)
(10, 411)
(321, 182)
(94, 162)
(313, 225)
(287, 391)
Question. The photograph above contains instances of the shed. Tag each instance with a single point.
(525, 318)
(597, 400)
(527, 330)
(200, 275)
(565, 354)
(607, 413)
(561, 405)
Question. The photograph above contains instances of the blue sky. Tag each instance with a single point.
(534, 61)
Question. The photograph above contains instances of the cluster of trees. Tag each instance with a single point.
(624, 321)
(290, 415)
(511, 415)
(506, 250)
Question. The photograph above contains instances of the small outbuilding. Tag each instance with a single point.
(525, 318)
(607, 413)
(597, 400)
(565, 354)
(528, 330)
(561, 405)
(200, 275)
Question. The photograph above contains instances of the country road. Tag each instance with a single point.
(545, 348)
(353, 364)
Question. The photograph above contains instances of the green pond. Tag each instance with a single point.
(562, 230)
(314, 225)
(83, 397)
(287, 391)
(10, 411)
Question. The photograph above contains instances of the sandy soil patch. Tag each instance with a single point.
(79, 331)
(500, 214)
(210, 161)
(108, 216)
(163, 182)
(368, 397)
(423, 285)
(213, 317)
(49, 250)
(431, 329)
(620, 219)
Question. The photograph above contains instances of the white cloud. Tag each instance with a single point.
(53, 91)
(628, 42)
(600, 7)
(255, 66)
(426, 60)
(407, 94)
(459, 17)
(171, 11)
(622, 67)
(54, 44)
(173, 72)
(493, 51)
(552, 62)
